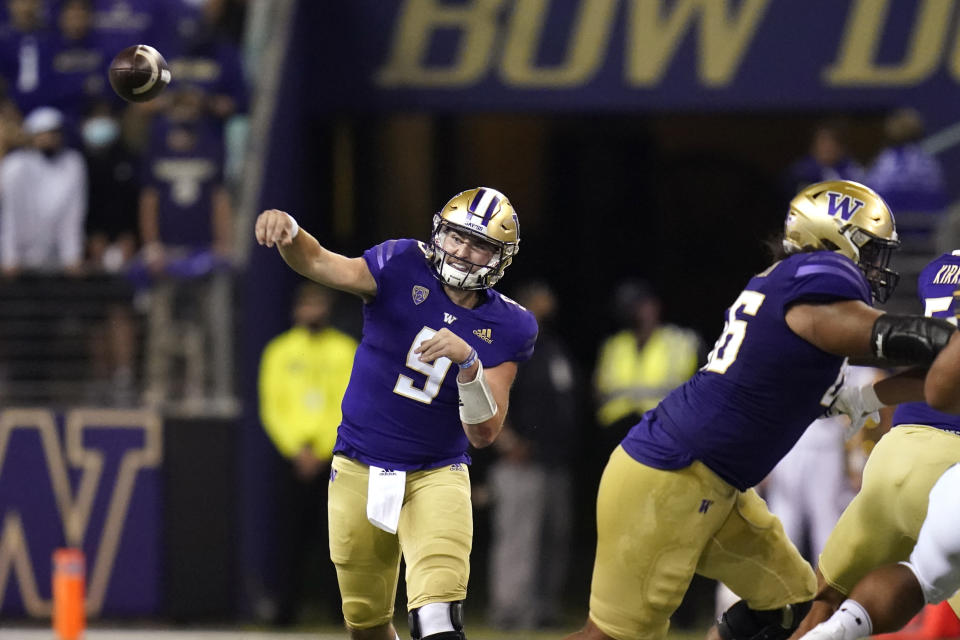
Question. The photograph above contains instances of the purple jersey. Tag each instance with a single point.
(185, 166)
(935, 286)
(401, 413)
(762, 384)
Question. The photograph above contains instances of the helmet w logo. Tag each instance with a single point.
(839, 204)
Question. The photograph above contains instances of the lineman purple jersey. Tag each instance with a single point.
(935, 286)
(762, 384)
(401, 413)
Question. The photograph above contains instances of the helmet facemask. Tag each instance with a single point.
(874, 256)
(459, 272)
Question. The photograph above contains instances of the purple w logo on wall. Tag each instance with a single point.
(843, 205)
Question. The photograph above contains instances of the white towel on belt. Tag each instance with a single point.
(385, 497)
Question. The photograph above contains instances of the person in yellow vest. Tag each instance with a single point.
(304, 372)
(641, 363)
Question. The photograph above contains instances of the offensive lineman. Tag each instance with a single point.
(399, 481)
(675, 497)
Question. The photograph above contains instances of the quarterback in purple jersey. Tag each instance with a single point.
(676, 498)
(882, 523)
(399, 481)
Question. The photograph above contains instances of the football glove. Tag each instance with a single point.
(857, 403)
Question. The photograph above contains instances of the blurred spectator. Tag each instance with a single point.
(641, 363)
(908, 178)
(185, 225)
(184, 203)
(206, 60)
(111, 243)
(77, 75)
(43, 199)
(303, 375)
(121, 23)
(531, 482)
(114, 191)
(11, 127)
(827, 159)
(25, 44)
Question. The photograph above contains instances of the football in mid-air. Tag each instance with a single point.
(139, 73)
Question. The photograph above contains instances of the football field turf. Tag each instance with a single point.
(324, 633)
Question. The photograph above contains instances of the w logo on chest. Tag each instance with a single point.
(842, 205)
(448, 317)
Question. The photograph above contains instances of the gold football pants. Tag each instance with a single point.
(434, 535)
(656, 528)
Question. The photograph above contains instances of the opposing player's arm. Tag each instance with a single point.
(942, 386)
(306, 256)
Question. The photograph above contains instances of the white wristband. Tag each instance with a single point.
(476, 400)
(296, 227)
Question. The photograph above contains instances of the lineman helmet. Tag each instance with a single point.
(848, 218)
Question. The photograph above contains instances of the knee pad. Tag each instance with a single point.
(454, 612)
(740, 622)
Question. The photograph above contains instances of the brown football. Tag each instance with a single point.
(139, 73)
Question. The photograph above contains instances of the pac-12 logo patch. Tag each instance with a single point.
(420, 294)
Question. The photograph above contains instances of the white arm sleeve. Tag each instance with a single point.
(476, 399)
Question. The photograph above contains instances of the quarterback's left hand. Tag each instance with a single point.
(859, 404)
(444, 343)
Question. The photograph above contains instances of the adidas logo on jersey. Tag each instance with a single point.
(449, 317)
(484, 334)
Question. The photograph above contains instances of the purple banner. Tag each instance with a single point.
(89, 479)
(634, 54)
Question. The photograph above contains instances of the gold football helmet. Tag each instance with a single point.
(848, 218)
(482, 213)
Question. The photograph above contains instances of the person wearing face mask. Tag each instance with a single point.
(43, 199)
(111, 229)
(113, 177)
(75, 73)
(303, 375)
